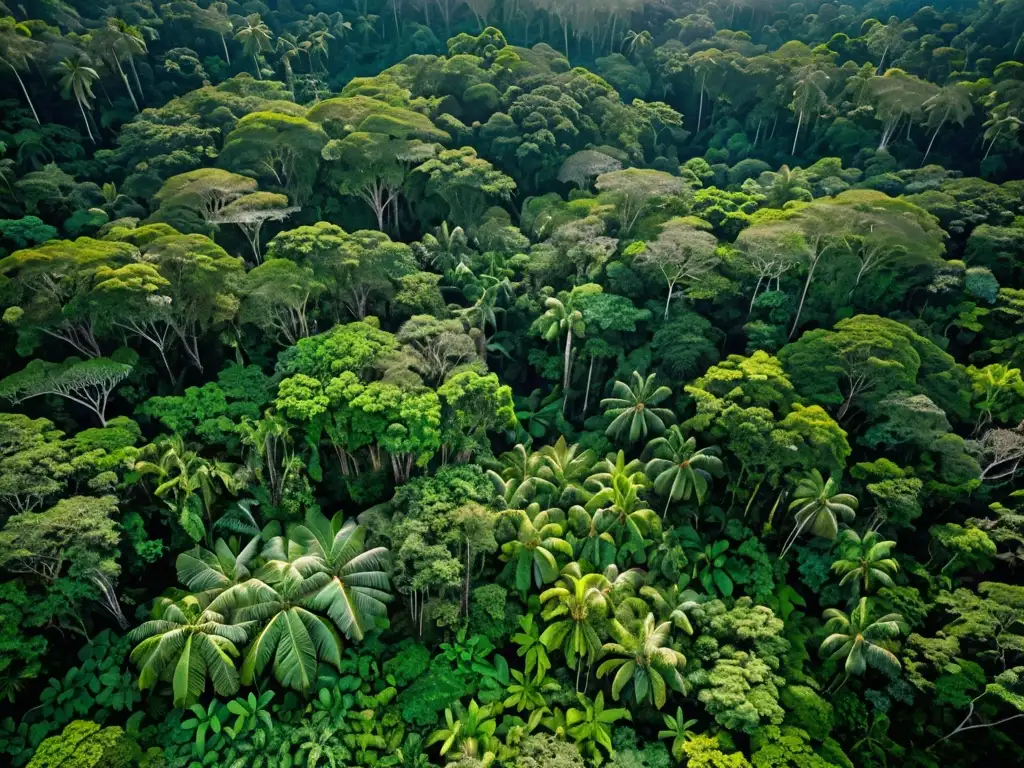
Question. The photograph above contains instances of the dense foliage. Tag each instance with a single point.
(638, 385)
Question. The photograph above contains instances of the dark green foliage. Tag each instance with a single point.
(771, 251)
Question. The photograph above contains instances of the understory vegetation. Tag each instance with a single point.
(511, 384)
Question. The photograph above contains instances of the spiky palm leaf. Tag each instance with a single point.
(634, 409)
(575, 606)
(680, 469)
(649, 666)
(358, 589)
(819, 507)
(184, 645)
(538, 541)
(201, 570)
(858, 641)
(865, 563)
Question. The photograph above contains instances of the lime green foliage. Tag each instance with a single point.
(82, 744)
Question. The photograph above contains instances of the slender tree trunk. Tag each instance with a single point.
(85, 119)
(796, 138)
(135, 77)
(882, 60)
(989, 151)
(586, 395)
(668, 301)
(803, 296)
(754, 297)
(567, 369)
(127, 85)
(930, 143)
(700, 110)
(259, 74)
(24, 90)
(224, 43)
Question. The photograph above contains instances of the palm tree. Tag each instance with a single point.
(577, 605)
(211, 573)
(183, 645)
(538, 541)
(17, 49)
(292, 639)
(636, 41)
(858, 641)
(468, 732)
(190, 480)
(808, 93)
(255, 38)
(1001, 123)
(615, 465)
(649, 666)
(562, 319)
(76, 79)
(672, 604)
(634, 410)
(866, 562)
(678, 728)
(320, 44)
(819, 507)
(621, 506)
(129, 41)
(358, 590)
(952, 102)
(569, 468)
(680, 469)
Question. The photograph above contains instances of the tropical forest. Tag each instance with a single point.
(511, 384)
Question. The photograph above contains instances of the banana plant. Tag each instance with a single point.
(530, 646)
(203, 722)
(251, 713)
(677, 728)
(527, 691)
(591, 725)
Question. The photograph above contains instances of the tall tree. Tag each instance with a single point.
(76, 79)
(256, 39)
(17, 49)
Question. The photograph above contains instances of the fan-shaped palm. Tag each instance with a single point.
(865, 562)
(678, 728)
(538, 541)
(184, 645)
(858, 641)
(615, 465)
(76, 79)
(569, 468)
(630, 515)
(201, 570)
(591, 537)
(633, 409)
(672, 604)
(358, 589)
(819, 508)
(680, 469)
(649, 666)
(575, 605)
(292, 639)
(636, 41)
